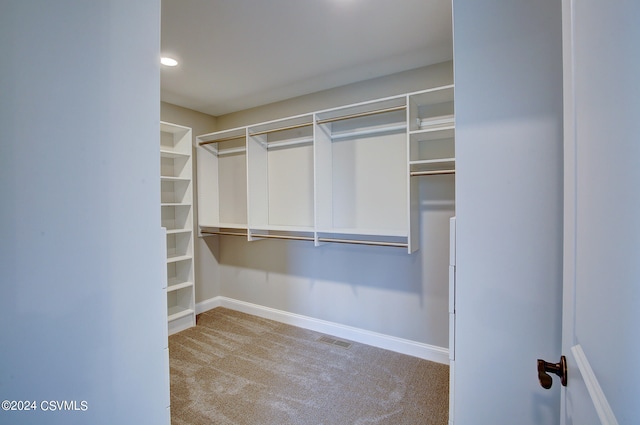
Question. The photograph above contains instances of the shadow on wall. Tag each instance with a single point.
(368, 266)
(353, 264)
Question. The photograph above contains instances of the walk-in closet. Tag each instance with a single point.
(327, 205)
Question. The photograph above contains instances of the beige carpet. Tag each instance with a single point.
(233, 368)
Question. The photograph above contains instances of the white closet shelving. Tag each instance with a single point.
(280, 177)
(341, 175)
(222, 180)
(361, 173)
(176, 206)
(431, 145)
(431, 131)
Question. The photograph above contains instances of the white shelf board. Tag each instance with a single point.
(432, 90)
(208, 226)
(176, 258)
(176, 312)
(166, 127)
(429, 122)
(175, 204)
(174, 179)
(173, 154)
(397, 100)
(174, 285)
(278, 228)
(178, 231)
(210, 230)
(214, 136)
(433, 161)
(434, 128)
(433, 95)
(280, 124)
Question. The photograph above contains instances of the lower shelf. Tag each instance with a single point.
(180, 307)
(175, 284)
(181, 320)
(177, 258)
(177, 312)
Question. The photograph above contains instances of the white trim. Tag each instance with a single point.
(181, 323)
(387, 342)
(570, 192)
(595, 391)
(209, 304)
(452, 404)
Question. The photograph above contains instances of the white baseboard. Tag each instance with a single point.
(209, 304)
(399, 345)
(600, 402)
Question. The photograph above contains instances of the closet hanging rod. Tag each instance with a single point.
(361, 242)
(332, 240)
(294, 238)
(431, 173)
(230, 151)
(223, 233)
(370, 131)
(224, 139)
(362, 114)
(310, 239)
(289, 127)
(301, 141)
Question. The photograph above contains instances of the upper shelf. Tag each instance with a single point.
(282, 125)
(173, 155)
(174, 140)
(437, 123)
(364, 119)
(431, 110)
(228, 142)
(361, 110)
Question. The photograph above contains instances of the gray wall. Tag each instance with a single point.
(375, 88)
(82, 304)
(508, 74)
(379, 289)
(206, 264)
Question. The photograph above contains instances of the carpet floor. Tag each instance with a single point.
(238, 369)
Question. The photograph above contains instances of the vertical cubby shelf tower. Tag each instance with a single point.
(431, 143)
(176, 206)
(340, 175)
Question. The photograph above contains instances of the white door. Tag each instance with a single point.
(602, 212)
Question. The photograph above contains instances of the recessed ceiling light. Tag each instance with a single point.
(168, 61)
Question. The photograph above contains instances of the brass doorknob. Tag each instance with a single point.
(560, 369)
